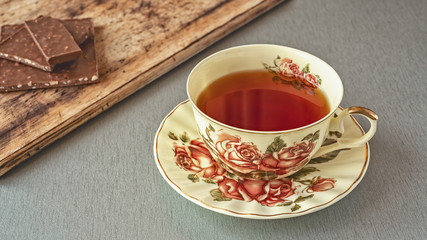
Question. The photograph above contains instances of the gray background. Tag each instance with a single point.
(101, 181)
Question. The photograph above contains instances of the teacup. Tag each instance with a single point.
(270, 155)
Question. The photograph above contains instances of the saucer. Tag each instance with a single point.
(186, 165)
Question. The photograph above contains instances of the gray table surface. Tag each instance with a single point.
(101, 180)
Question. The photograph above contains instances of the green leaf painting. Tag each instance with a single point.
(312, 136)
(296, 207)
(306, 69)
(208, 180)
(303, 198)
(172, 136)
(218, 195)
(276, 145)
(284, 204)
(184, 138)
(318, 79)
(193, 177)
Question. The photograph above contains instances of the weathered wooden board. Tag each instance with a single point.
(137, 41)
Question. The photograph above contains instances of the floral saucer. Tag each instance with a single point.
(186, 164)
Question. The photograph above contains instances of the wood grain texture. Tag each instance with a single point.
(137, 41)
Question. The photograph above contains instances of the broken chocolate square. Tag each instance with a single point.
(53, 39)
(80, 29)
(7, 30)
(20, 47)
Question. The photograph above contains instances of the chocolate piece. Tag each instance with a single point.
(80, 29)
(8, 30)
(21, 47)
(15, 76)
(53, 39)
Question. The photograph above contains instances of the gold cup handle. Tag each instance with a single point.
(337, 124)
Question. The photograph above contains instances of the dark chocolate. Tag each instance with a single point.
(80, 29)
(8, 30)
(15, 76)
(21, 47)
(53, 39)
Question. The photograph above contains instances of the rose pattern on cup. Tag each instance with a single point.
(241, 156)
(288, 72)
(246, 160)
(193, 156)
(290, 158)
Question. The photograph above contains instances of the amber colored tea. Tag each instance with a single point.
(260, 100)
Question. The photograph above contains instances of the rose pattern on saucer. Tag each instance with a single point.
(319, 184)
(288, 72)
(193, 156)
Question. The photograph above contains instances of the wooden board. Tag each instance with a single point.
(137, 41)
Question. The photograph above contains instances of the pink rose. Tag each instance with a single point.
(285, 61)
(275, 191)
(289, 158)
(233, 189)
(300, 76)
(288, 69)
(243, 157)
(311, 80)
(196, 158)
(267, 193)
(319, 184)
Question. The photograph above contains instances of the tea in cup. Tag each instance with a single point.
(264, 111)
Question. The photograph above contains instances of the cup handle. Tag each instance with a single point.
(337, 124)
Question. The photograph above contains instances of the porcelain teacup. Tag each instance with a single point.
(270, 155)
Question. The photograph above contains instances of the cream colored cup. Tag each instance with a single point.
(273, 154)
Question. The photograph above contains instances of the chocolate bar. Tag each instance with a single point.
(15, 76)
(20, 47)
(80, 29)
(53, 39)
